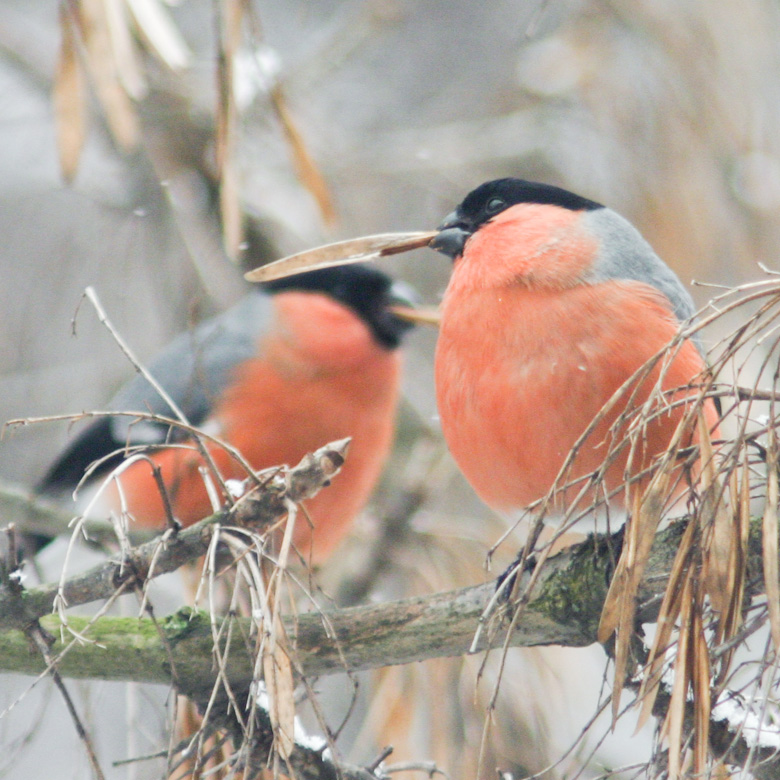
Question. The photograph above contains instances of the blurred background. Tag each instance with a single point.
(351, 118)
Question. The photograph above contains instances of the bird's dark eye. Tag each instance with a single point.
(494, 205)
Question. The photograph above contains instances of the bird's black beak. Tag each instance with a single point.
(452, 236)
(405, 305)
(398, 316)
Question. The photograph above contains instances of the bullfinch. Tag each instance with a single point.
(296, 364)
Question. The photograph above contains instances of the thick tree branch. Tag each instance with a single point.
(564, 609)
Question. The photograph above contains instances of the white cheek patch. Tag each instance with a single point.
(211, 427)
(89, 504)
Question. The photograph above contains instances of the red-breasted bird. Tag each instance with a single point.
(553, 303)
(304, 361)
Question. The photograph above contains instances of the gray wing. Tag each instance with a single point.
(193, 370)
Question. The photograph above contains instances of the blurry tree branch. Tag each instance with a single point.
(33, 514)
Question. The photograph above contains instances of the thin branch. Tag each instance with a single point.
(10, 583)
(40, 640)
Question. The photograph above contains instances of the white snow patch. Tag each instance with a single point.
(758, 721)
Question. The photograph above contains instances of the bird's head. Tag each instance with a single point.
(494, 198)
(368, 292)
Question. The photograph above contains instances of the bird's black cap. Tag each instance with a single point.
(365, 290)
(493, 197)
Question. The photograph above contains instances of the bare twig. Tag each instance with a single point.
(36, 634)
(91, 296)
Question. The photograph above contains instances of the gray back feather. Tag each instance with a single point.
(626, 255)
(193, 369)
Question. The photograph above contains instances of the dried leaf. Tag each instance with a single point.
(675, 720)
(278, 676)
(718, 535)
(277, 668)
(744, 532)
(355, 250)
(161, 34)
(769, 530)
(123, 46)
(732, 617)
(671, 607)
(619, 611)
(69, 94)
(117, 106)
(613, 603)
(700, 678)
(308, 172)
(730, 621)
(616, 605)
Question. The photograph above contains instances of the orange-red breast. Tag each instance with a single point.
(307, 360)
(553, 303)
